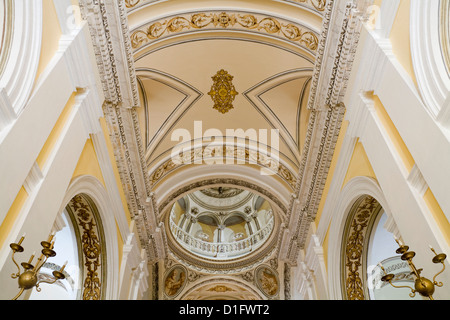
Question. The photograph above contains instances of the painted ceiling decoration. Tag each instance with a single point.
(239, 21)
(291, 70)
(222, 91)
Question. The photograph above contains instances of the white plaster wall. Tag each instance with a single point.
(71, 70)
(377, 70)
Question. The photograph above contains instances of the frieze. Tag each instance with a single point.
(297, 34)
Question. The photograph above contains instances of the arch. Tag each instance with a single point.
(245, 22)
(358, 188)
(355, 243)
(428, 58)
(185, 154)
(243, 177)
(19, 72)
(204, 258)
(95, 195)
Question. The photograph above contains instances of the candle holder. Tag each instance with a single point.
(28, 278)
(422, 285)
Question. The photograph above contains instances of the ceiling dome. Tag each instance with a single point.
(221, 223)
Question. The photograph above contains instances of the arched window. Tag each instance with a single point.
(366, 244)
(68, 250)
(79, 241)
(381, 252)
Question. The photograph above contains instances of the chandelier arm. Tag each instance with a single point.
(413, 291)
(15, 275)
(19, 294)
(439, 284)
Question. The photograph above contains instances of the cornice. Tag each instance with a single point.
(108, 27)
(336, 50)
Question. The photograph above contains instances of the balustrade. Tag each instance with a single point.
(222, 250)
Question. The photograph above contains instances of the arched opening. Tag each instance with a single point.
(381, 252)
(221, 223)
(79, 241)
(367, 246)
(67, 248)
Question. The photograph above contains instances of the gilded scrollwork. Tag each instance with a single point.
(240, 154)
(297, 34)
(223, 92)
(318, 5)
(131, 3)
(355, 247)
(91, 246)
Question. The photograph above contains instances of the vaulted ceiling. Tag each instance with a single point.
(269, 51)
(206, 67)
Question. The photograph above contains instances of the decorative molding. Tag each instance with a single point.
(19, 73)
(85, 216)
(192, 95)
(287, 282)
(327, 111)
(315, 261)
(219, 181)
(305, 282)
(7, 113)
(290, 31)
(417, 181)
(34, 177)
(254, 96)
(94, 191)
(355, 242)
(386, 17)
(319, 6)
(116, 66)
(357, 188)
(117, 75)
(444, 31)
(429, 64)
(237, 153)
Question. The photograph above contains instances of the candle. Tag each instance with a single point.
(400, 243)
(62, 269)
(32, 257)
(50, 237)
(21, 239)
(432, 249)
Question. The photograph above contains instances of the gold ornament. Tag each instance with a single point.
(223, 92)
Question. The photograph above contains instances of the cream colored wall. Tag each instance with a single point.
(53, 136)
(51, 34)
(400, 38)
(392, 148)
